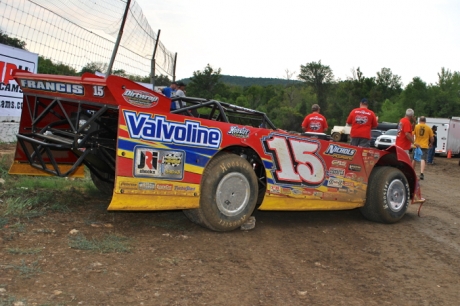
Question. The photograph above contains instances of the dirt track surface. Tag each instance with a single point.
(290, 258)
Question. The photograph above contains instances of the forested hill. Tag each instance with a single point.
(246, 82)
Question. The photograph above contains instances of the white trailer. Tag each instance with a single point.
(448, 134)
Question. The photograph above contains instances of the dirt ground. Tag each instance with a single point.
(290, 258)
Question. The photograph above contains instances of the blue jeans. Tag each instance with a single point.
(431, 152)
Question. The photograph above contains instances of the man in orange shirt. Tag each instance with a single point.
(362, 121)
(404, 139)
(314, 122)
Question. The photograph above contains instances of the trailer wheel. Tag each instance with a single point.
(336, 136)
(105, 186)
(388, 195)
(229, 191)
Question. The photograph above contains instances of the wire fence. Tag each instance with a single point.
(79, 33)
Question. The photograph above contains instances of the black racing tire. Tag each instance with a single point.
(194, 216)
(228, 196)
(104, 186)
(336, 137)
(388, 195)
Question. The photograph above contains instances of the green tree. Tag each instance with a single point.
(319, 77)
(388, 87)
(391, 111)
(447, 94)
(47, 66)
(162, 80)
(10, 41)
(206, 84)
(92, 67)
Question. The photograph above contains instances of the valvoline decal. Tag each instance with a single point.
(158, 128)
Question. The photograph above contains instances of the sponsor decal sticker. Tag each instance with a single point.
(184, 188)
(128, 185)
(275, 189)
(286, 191)
(340, 152)
(356, 168)
(351, 176)
(146, 186)
(156, 163)
(318, 194)
(336, 172)
(158, 128)
(60, 87)
(238, 132)
(307, 192)
(348, 184)
(332, 189)
(339, 163)
(140, 98)
(164, 187)
(334, 182)
(296, 191)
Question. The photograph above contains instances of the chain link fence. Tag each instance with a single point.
(82, 33)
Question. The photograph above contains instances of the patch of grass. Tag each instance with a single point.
(10, 301)
(21, 207)
(3, 222)
(27, 270)
(24, 251)
(108, 244)
(5, 162)
(18, 227)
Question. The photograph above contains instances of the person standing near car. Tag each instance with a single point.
(180, 92)
(170, 91)
(362, 121)
(432, 150)
(423, 138)
(404, 138)
(314, 122)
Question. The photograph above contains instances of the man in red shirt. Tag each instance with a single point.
(362, 121)
(404, 139)
(314, 122)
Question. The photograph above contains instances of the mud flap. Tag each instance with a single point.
(26, 169)
(151, 202)
(417, 199)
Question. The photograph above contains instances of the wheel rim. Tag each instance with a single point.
(396, 195)
(232, 194)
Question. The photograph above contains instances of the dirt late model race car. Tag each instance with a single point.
(216, 161)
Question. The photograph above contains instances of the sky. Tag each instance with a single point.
(269, 39)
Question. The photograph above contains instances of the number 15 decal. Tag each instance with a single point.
(296, 161)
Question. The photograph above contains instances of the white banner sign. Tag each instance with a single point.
(10, 94)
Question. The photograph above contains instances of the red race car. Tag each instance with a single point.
(216, 161)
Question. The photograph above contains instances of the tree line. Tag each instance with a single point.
(286, 103)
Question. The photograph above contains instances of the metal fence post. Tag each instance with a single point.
(152, 72)
(117, 43)
(174, 67)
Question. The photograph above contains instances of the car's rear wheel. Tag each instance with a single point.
(336, 137)
(229, 192)
(103, 182)
(388, 195)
